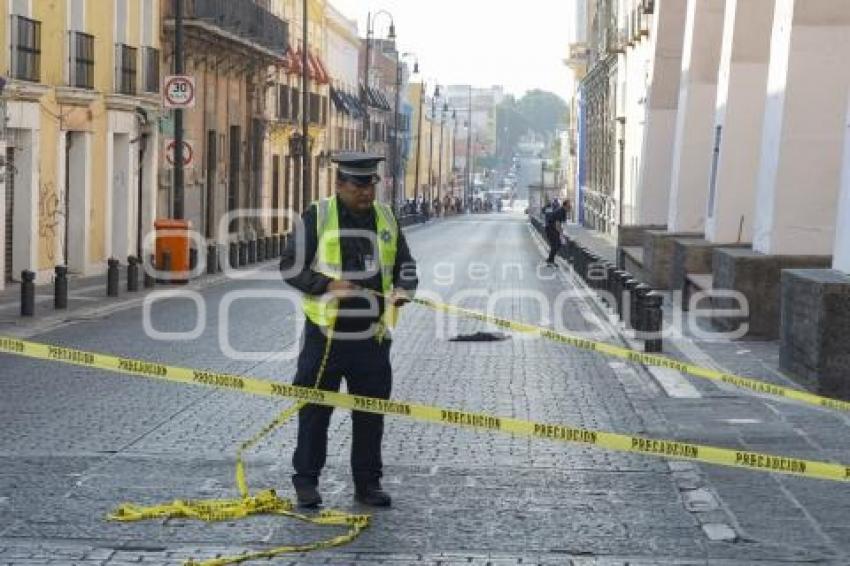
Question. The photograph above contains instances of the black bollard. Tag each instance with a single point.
(252, 251)
(222, 255)
(590, 272)
(623, 295)
(269, 248)
(60, 287)
(243, 253)
(212, 259)
(132, 274)
(112, 277)
(617, 290)
(193, 259)
(234, 255)
(27, 293)
(581, 263)
(149, 280)
(605, 282)
(652, 322)
(628, 301)
(640, 291)
(275, 246)
(261, 250)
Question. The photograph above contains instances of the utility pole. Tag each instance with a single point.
(468, 191)
(365, 95)
(395, 153)
(431, 141)
(440, 167)
(305, 111)
(419, 142)
(178, 195)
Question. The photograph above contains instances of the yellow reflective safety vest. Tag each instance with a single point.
(323, 311)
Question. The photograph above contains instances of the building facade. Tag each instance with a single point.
(80, 145)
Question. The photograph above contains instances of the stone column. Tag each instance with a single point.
(697, 98)
(841, 254)
(804, 123)
(662, 99)
(738, 120)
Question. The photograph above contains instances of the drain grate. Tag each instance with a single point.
(480, 337)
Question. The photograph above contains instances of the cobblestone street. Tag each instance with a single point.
(75, 443)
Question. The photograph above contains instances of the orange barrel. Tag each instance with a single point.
(172, 236)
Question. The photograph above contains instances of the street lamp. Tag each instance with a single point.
(397, 170)
(431, 141)
(440, 167)
(370, 32)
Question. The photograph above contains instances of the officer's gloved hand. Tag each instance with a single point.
(343, 289)
(399, 297)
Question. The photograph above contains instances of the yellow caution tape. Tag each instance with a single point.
(560, 433)
(646, 359)
(265, 502)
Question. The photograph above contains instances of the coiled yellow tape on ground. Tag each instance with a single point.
(424, 413)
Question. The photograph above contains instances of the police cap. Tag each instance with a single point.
(359, 166)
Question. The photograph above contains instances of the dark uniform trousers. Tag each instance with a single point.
(365, 364)
(554, 240)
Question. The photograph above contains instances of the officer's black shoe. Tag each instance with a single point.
(371, 494)
(308, 496)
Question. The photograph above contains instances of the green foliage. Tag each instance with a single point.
(538, 111)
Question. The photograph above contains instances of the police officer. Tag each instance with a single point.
(345, 278)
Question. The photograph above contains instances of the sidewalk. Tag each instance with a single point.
(750, 357)
(87, 296)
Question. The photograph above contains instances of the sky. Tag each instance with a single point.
(519, 45)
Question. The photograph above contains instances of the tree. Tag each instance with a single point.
(538, 111)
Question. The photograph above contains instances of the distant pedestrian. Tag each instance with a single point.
(555, 216)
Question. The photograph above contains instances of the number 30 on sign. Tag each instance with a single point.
(179, 91)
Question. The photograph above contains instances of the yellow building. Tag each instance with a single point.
(417, 176)
(81, 95)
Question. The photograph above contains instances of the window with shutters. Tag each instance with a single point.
(26, 49)
(81, 60)
(125, 69)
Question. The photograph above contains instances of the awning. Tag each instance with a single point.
(339, 104)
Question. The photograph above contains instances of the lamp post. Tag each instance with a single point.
(305, 109)
(178, 195)
(418, 144)
(440, 166)
(370, 32)
(431, 141)
(468, 188)
(397, 170)
(454, 148)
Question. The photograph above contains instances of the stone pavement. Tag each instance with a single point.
(74, 443)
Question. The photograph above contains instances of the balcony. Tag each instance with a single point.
(241, 21)
(80, 60)
(26, 49)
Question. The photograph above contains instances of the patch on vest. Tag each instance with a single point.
(385, 235)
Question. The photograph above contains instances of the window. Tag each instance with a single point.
(283, 103)
(150, 69)
(296, 105)
(315, 114)
(26, 49)
(125, 69)
(81, 60)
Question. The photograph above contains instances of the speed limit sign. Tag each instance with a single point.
(179, 91)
